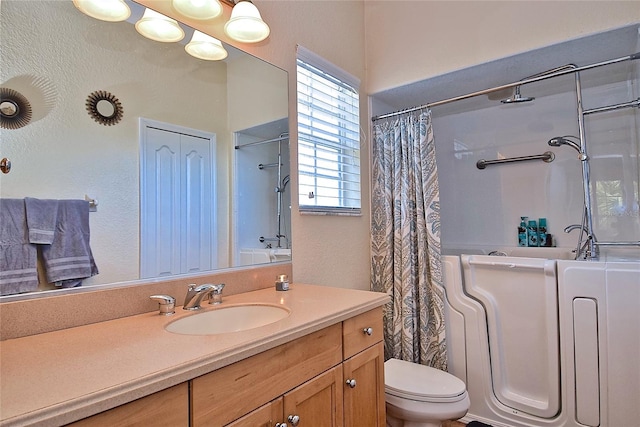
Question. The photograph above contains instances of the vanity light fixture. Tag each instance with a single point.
(158, 27)
(105, 10)
(246, 24)
(205, 47)
(198, 9)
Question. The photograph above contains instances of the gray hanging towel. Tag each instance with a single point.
(41, 219)
(18, 258)
(68, 260)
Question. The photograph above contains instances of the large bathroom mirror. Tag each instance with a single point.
(56, 57)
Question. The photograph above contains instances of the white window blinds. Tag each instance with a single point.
(328, 137)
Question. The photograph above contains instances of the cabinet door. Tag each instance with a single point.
(265, 416)
(316, 403)
(168, 408)
(364, 403)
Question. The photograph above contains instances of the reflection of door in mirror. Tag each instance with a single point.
(177, 218)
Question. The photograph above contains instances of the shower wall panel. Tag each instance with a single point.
(482, 208)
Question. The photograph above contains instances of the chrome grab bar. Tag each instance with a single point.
(617, 243)
(547, 157)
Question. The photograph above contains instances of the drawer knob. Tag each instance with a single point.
(281, 425)
(351, 383)
(293, 419)
(368, 331)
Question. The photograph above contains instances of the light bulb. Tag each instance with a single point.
(105, 10)
(198, 9)
(205, 47)
(158, 27)
(246, 24)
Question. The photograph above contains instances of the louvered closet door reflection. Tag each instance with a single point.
(177, 222)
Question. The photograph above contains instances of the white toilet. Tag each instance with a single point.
(420, 396)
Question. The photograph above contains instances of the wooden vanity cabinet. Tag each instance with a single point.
(316, 403)
(224, 395)
(330, 378)
(265, 416)
(364, 404)
(168, 407)
(363, 367)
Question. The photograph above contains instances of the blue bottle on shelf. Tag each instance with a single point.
(522, 232)
(542, 232)
(532, 233)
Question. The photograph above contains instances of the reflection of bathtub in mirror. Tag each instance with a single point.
(250, 256)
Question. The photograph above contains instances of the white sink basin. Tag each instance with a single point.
(224, 320)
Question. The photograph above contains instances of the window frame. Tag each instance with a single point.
(344, 149)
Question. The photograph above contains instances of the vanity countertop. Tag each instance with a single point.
(62, 376)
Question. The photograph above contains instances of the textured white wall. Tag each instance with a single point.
(63, 153)
(66, 154)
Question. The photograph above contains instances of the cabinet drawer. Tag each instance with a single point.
(169, 407)
(354, 332)
(231, 392)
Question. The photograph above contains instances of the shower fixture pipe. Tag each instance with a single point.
(510, 85)
(629, 104)
(593, 251)
(282, 137)
(279, 188)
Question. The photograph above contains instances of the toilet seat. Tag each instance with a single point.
(421, 383)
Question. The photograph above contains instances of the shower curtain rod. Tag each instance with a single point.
(510, 85)
(280, 138)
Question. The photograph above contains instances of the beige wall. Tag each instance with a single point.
(398, 42)
(327, 250)
(408, 41)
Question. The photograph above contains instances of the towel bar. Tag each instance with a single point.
(93, 203)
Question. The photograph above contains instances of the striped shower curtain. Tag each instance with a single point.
(405, 238)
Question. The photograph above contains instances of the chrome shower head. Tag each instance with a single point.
(517, 98)
(561, 140)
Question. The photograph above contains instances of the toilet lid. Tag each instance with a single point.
(418, 382)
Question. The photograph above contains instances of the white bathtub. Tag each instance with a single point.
(545, 342)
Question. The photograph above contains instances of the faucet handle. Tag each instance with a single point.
(167, 304)
(215, 296)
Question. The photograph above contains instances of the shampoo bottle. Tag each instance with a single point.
(542, 232)
(522, 232)
(532, 233)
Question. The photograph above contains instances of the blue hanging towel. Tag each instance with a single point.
(18, 258)
(68, 260)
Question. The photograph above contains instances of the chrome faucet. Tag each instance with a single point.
(215, 296)
(589, 248)
(195, 294)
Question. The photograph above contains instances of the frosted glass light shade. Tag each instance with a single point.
(246, 24)
(205, 47)
(105, 10)
(198, 9)
(158, 27)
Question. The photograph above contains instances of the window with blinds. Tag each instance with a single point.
(328, 137)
